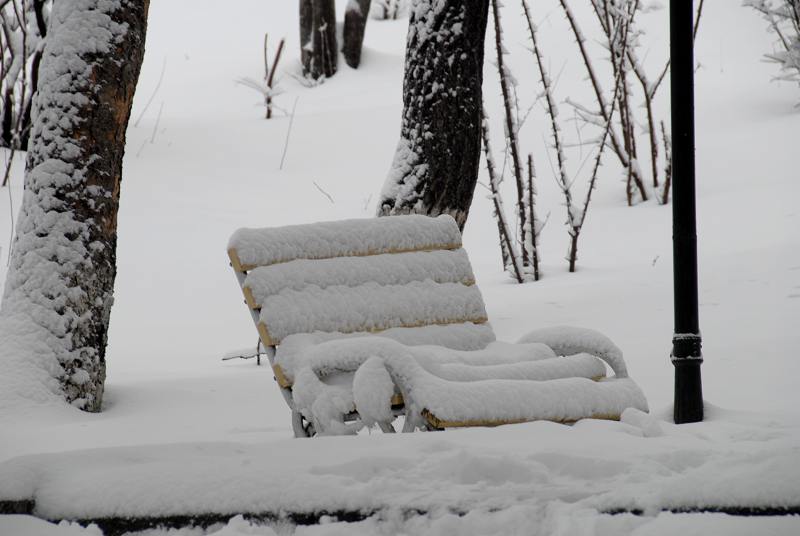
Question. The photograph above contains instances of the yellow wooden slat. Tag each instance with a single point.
(251, 301)
(235, 262)
(239, 267)
(268, 340)
(436, 422)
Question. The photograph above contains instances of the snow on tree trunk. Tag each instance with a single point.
(59, 290)
(319, 52)
(435, 167)
(355, 22)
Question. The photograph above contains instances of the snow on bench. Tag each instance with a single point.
(394, 300)
(249, 248)
(369, 307)
(441, 266)
(491, 402)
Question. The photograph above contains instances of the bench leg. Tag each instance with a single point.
(301, 427)
(386, 427)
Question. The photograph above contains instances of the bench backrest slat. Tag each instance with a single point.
(250, 248)
(352, 276)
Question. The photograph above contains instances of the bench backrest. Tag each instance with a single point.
(364, 275)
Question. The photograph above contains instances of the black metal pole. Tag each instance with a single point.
(686, 343)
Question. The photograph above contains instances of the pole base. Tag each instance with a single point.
(688, 391)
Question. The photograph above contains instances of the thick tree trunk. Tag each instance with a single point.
(319, 52)
(355, 22)
(435, 166)
(59, 289)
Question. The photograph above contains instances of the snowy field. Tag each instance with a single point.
(183, 432)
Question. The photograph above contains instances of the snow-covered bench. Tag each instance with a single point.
(363, 320)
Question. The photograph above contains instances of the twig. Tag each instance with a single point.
(7, 181)
(326, 194)
(288, 132)
(510, 123)
(153, 96)
(667, 164)
(158, 120)
(269, 73)
(507, 248)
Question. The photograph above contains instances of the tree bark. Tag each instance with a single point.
(355, 22)
(59, 289)
(435, 167)
(319, 52)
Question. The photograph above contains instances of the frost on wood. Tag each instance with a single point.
(59, 288)
(435, 167)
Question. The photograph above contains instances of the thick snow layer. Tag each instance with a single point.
(579, 365)
(345, 353)
(500, 382)
(501, 400)
(208, 164)
(370, 307)
(569, 340)
(258, 247)
(442, 266)
(465, 336)
(566, 475)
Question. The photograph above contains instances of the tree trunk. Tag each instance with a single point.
(435, 166)
(59, 289)
(319, 52)
(355, 22)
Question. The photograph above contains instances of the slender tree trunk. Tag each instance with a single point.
(355, 22)
(319, 52)
(435, 167)
(59, 289)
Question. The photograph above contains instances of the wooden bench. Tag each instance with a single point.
(404, 275)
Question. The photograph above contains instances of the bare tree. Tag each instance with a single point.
(22, 31)
(59, 289)
(388, 9)
(511, 260)
(319, 52)
(525, 264)
(576, 211)
(355, 22)
(616, 18)
(783, 17)
(435, 167)
(268, 87)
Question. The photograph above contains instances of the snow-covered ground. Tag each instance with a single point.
(184, 432)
